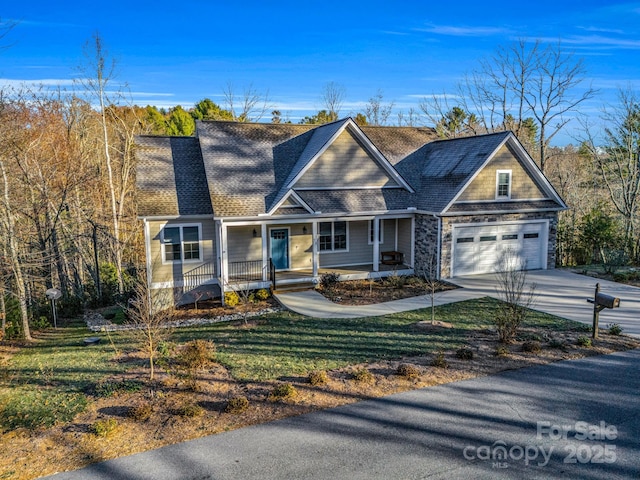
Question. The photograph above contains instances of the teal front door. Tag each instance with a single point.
(280, 248)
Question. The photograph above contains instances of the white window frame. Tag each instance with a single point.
(380, 232)
(333, 234)
(510, 176)
(180, 227)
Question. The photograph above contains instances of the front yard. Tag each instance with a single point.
(64, 405)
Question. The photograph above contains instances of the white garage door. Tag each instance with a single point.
(479, 249)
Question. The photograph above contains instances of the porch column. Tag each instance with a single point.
(314, 248)
(413, 242)
(265, 253)
(225, 256)
(376, 244)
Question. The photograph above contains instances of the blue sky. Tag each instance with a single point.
(171, 53)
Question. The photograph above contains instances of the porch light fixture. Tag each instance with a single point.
(255, 234)
(304, 229)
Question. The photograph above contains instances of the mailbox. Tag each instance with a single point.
(607, 301)
(600, 302)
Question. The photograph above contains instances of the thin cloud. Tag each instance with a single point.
(465, 31)
(598, 41)
(602, 30)
(45, 82)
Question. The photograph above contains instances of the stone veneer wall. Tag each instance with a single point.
(427, 235)
(426, 241)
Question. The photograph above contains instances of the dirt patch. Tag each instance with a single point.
(177, 409)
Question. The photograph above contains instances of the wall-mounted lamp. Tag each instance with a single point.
(255, 233)
(304, 229)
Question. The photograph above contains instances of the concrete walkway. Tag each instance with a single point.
(558, 292)
(313, 304)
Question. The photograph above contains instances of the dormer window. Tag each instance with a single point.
(503, 184)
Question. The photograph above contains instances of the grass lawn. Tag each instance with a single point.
(46, 382)
(56, 392)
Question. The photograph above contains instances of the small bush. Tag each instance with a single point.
(237, 405)
(318, 377)
(41, 323)
(196, 354)
(502, 351)
(231, 299)
(464, 353)
(262, 294)
(396, 281)
(284, 391)
(189, 409)
(408, 371)
(556, 343)
(104, 428)
(615, 329)
(328, 281)
(111, 388)
(531, 346)
(363, 376)
(141, 412)
(584, 341)
(439, 361)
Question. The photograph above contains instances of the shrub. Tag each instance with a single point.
(531, 346)
(318, 377)
(237, 405)
(396, 281)
(502, 351)
(615, 329)
(439, 361)
(584, 341)
(111, 388)
(141, 412)
(363, 375)
(284, 391)
(231, 299)
(41, 323)
(189, 409)
(262, 294)
(196, 354)
(104, 428)
(464, 353)
(556, 343)
(328, 281)
(408, 371)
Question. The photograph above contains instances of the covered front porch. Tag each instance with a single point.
(270, 254)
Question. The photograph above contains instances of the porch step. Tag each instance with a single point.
(294, 287)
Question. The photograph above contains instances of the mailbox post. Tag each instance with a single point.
(600, 302)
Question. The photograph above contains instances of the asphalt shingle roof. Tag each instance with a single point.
(170, 177)
(241, 169)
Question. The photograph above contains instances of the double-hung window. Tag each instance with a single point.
(181, 243)
(503, 184)
(332, 236)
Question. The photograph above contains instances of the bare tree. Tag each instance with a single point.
(516, 297)
(251, 107)
(96, 75)
(411, 119)
(432, 283)
(376, 111)
(332, 98)
(526, 87)
(148, 322)
(618, 160)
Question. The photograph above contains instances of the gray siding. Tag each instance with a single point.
(360, 252)
(162, 272)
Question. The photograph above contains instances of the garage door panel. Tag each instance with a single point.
(479, 249)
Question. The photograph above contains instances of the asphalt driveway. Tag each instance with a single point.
(565, 294)
(573, 419)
